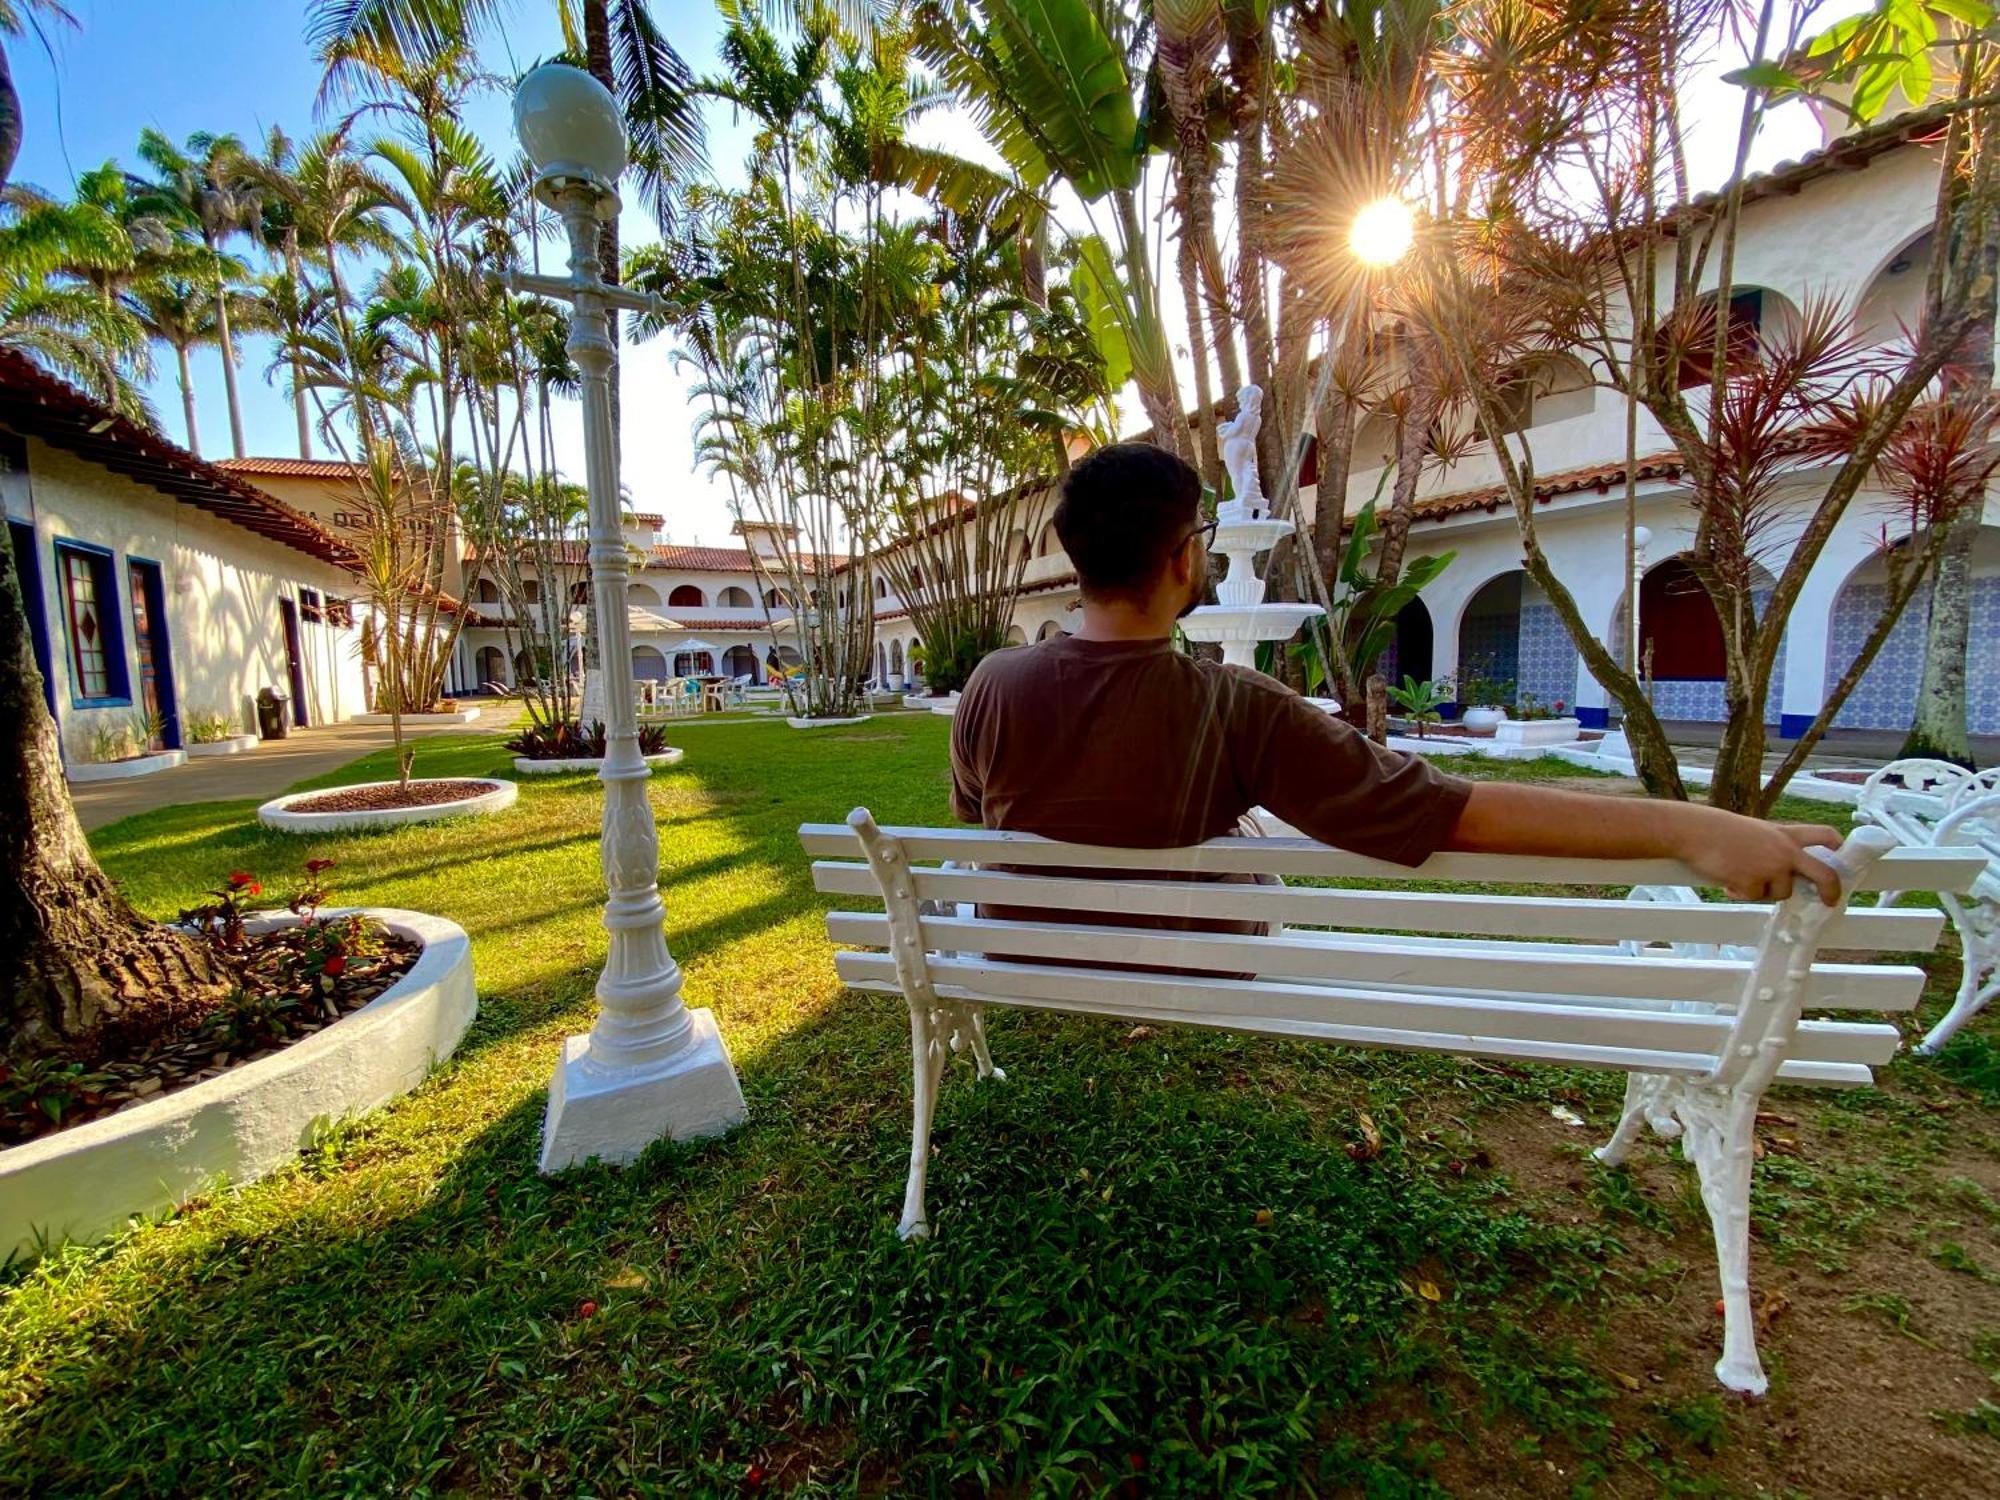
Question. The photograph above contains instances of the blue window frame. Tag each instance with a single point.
(93, 629)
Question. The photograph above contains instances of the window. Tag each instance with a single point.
(90, 610)
(310, 609)
(686, 596)
(340, 613)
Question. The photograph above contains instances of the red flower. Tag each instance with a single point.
(334, 966)
(314, 866)
(243, 880)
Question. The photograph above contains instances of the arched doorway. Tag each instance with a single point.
(1682, 639)
(524, 666)
(693, 663)
(734, 598)
(896, 658)
(1411, 647)
(739, 661)
(491, 665)
(648, 663)
(1016, 636)
(1049, 631)
(881, 662)
(644, 595)
(1886, 697)
(1512, 647)
(686, 596)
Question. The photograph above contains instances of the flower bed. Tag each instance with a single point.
(385, 804)
(252, 1117)
(290, 980)
(543, 750)
(529, 767)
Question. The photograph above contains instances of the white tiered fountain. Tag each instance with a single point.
(1245, 528)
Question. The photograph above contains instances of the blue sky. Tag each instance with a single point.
(240, 66)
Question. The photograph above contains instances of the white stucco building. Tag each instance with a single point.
(158, 584)
(1851, 222)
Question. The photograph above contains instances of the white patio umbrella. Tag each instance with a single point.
(700, 647)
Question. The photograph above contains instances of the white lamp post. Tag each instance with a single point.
(650, 1067)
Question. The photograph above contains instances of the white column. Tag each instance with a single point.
(650, 1068)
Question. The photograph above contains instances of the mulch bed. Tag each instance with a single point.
(1852, 778)
(285, 994)
(380, 798)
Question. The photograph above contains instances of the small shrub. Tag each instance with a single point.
(205, 727)
(571, 741)
(1421, 701)
(47, 1087)
(111, 741)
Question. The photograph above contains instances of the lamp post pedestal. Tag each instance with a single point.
(650, 1068)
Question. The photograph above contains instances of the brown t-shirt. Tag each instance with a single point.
(1135, 745)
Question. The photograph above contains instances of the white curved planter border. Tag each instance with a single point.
(276, 813)
(947, 708)
(827, 723)
(83, 1183)
(529, 767)
(119, 770)
(236, 744)
(457, 716)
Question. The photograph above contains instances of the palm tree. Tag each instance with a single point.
(60, 264)
(618, 41)
(178, 310)
(316, 202)
(200, 190)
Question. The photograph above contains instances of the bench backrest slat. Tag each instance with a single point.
(1867, 929)
(1898, 870)
(1361, 1017)
(1359, 959)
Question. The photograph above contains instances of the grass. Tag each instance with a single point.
(1157, 1268)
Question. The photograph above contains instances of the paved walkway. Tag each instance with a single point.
(273, 767)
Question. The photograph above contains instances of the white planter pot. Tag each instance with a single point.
(827, 723)
(236, 744)
(276, 813)
(457, 716)
(1538, 731)
(529, 767)
(118, 770)
(1481, 719)
(83, 1183)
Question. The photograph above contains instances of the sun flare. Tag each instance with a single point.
(1382, 232)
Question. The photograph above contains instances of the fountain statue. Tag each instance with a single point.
(1244, 529)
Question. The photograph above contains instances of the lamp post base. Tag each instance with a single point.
(613, 1114)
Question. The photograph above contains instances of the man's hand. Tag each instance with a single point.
(1751, 859)
(1758, 861)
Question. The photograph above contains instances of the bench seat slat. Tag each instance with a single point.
(1863, 929)
(1679, 1044)
(1898, 870)
(1383, 961)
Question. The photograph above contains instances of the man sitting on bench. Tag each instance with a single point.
(1110, 736)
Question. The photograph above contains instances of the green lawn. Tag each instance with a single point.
(1158, 1267)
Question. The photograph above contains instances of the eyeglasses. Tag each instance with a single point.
(1206, 531)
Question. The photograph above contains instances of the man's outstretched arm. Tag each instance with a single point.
(1751, 859)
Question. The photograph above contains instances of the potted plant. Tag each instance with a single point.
(1484, 696)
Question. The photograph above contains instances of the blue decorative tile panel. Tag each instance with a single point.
(1887, 695)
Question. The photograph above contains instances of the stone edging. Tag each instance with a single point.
(236, 744)
(119, 770)
(827, 723)
(276, 813)
(84, 1183)
(529, 767)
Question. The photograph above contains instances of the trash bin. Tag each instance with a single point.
(274, 714)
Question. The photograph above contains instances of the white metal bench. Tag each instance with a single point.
(1926, 804)
(1702, 1031)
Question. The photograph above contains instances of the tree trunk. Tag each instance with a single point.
(1204, 395)
(228, 346)
(78, 965)
(187, 399)
(1941, 731)
(10, 119)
